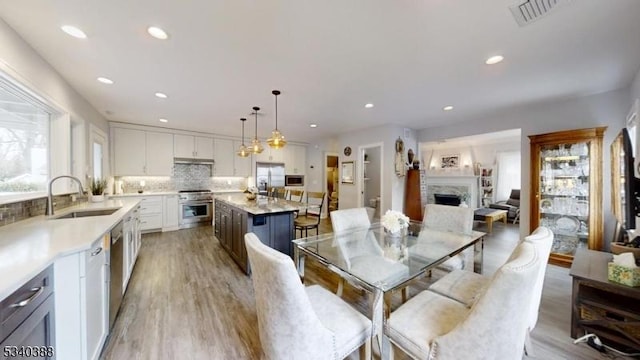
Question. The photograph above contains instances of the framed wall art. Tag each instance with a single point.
(348, 171)
(450, 161)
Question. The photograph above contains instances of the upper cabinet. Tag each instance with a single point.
(193, 147)
(224, 156)
(295, 158)
(271, 155)
(566, 190)
(138, 152)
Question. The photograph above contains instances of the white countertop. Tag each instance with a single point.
(27, 247)
(174, 192)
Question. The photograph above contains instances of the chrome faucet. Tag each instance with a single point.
(49, 210)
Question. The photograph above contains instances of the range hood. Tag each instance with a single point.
(193, 161)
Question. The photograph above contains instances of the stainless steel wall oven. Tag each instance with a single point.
(195, 208)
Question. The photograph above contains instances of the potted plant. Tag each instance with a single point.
(98, 186)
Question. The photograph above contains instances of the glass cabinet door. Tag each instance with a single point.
(566, 190)
(564, 195)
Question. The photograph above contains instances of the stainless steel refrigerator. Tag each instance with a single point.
(269, 175)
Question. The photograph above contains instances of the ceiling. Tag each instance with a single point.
(329, 58)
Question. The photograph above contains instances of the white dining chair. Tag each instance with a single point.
(466, 286)
(451, 219)
(298, 322)
(435, 327)
(360, 250)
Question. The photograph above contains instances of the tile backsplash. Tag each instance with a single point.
(22, 210)
(186, 177)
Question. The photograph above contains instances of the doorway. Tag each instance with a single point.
(370, 179)
(331, 183)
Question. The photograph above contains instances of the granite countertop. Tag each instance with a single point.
(172, 192)
(262, 204)
(28, 247)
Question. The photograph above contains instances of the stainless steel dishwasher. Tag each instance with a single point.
(115, 272)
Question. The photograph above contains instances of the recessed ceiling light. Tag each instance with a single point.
(313, 125)
(74, 31)
(369, 105)
(157, 33)
(494, 60)
(161, 95)
(447, 108)
(104, 80)
(164, 120)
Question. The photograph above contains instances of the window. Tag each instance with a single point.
(508, 173)
(24, 142)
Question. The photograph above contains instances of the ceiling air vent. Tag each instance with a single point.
(531, 10)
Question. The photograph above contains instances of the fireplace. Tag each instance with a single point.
(447, 199)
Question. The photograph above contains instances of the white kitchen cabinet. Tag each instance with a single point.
(171, 213)
(151, 213)
(295, 159)
(128, 252)
(193, 147)
(129, 148)
(138, 152)
(224, 157)
(82, 302)
(241, 166)
(271, 155)
(159, 154)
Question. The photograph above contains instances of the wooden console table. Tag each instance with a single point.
(607, 309)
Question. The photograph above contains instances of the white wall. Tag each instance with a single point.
(483, 153)
(23, 63)
(635, 86)
(606, 109)
(393, 186)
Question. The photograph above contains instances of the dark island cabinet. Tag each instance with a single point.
(232, 223)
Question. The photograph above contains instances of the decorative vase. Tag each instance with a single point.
(395, 247)
(97, 198)
(416, 164)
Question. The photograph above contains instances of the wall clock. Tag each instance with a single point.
(347, 151)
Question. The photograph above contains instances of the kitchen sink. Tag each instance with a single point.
(86, 213)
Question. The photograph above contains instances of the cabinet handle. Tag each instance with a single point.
(96, 251)
(25, 302)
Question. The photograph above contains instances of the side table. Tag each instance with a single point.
(607, 309)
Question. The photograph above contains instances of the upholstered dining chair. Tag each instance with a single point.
(311, 219)
(452, 219)
(362, 254)
(433, 326)
(466, 286)
(298, 322)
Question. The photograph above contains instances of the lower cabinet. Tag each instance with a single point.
(82, 302)
(171, 213)
(27, 326)
(232, 223)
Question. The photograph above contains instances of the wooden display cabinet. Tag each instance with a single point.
(566, 190)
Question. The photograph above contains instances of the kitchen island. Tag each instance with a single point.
(271, 219)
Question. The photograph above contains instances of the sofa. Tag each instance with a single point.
(512, 205)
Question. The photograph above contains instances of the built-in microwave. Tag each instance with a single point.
(294, 180)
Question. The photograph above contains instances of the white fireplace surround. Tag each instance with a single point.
(454, 185)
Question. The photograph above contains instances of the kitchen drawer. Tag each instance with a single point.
(19, 305)
(150, 221)
(151, 205)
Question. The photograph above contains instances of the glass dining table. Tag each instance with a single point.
(380, 263)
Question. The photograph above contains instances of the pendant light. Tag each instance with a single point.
(276, 140)
(243, 151)
(256, 146)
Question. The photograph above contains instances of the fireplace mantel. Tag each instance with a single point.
(454, 184)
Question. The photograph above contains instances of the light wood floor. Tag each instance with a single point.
(188, 300)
